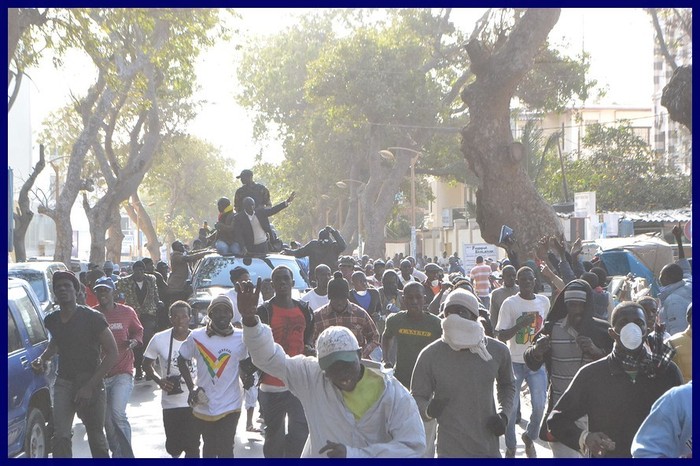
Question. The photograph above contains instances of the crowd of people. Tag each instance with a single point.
(381, 357)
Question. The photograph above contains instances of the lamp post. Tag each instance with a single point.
(387, 154)
(342, 184)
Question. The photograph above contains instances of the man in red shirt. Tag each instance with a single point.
(292, 328)
(119, 381)
(480, 277)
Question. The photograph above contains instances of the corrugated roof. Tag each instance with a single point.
(660, 216)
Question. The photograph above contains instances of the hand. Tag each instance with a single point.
(131, 344)
(525, 320)
(166, 385)
(576, 248)
(335, 450)
(247, 299)
(497, 424)
(543, 344)
(329, 228)
(677, 231)
(599, 444)
(38, 365)
(83, 396)
(436, 407)
(557, 245)
(587, 346)
(248, 380)
(291, 197)
(217, 225)
(542, 249)
(388, 364)
(546, 271)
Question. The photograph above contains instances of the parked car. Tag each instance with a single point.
(28, 394)
(38, 274)
(211, 277)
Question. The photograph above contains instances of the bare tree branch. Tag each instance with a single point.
(660, 39)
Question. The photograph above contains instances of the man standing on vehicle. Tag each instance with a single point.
(324, 250)
(79, 335)
(119, 383)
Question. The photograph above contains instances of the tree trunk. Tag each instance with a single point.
(145, 224)
(505, 194)
(113, 243)
(99, 218)
(23, 215)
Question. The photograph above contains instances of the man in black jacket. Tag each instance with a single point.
(617, 392)
(570, 338)
(324, 250)
(292, 328)
(252, 225)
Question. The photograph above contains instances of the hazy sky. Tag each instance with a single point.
(620, 42)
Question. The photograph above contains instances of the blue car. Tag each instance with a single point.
(28, 393)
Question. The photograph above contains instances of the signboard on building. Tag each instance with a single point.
(471, 251)
(446, 218)
(584, 204)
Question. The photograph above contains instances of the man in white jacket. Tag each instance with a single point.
(353, 410)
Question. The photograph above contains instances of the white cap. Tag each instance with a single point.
(464, 298)
(336, 344)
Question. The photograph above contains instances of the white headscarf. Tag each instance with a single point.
(460, 333)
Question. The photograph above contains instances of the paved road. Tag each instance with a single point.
(148, 439)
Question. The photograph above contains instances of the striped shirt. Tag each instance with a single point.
(567, 358)
(480, 276)
(353, 317)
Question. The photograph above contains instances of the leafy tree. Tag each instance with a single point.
(145, 65)
(337, 98)
(623, 170)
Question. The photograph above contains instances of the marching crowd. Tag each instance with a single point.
(384, 357)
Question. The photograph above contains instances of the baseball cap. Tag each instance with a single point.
(245, 172)
(63, 274)
(462, 297)
(104, 282)
(336, 344)
(220, 301)
(433, 268)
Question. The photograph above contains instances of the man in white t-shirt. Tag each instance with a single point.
(181, 432)
(218, 349)
(318, 297)
(519, 320)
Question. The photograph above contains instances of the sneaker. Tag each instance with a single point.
(510, 452)
(529, 446)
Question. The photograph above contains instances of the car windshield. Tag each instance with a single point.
(214, 271)
(35, 279)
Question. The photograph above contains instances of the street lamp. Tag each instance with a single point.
(387, 154)
(343, 184)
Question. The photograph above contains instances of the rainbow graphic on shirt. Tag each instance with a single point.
(215, 365)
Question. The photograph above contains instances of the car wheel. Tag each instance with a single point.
(36, 441)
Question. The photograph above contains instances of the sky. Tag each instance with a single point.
(620, 42)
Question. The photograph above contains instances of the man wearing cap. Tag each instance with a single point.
(341, 312)
(324, 250)
(80, 336)
(217, 349)
(615, 392)
(432, 284)
(570, 338)
(346, 265)
(354, 411)
(119, 382)
(257, 191)
(108, 269)
(226, 244)
(141, 293)
(411, 330)
(453, 382)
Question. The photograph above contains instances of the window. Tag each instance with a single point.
(29, 315)
(14, 341)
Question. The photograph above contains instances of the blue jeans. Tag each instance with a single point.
(93, 417)
(277, 406)
(225, 249)
(118, 390)
(537, 381)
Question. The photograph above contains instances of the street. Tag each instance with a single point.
(148, 437)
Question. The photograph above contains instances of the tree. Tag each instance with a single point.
(19, 51)
(677, 94)
(505, 194)
(145, 65)
(623, 171)
(23, 215)
(337, 99)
